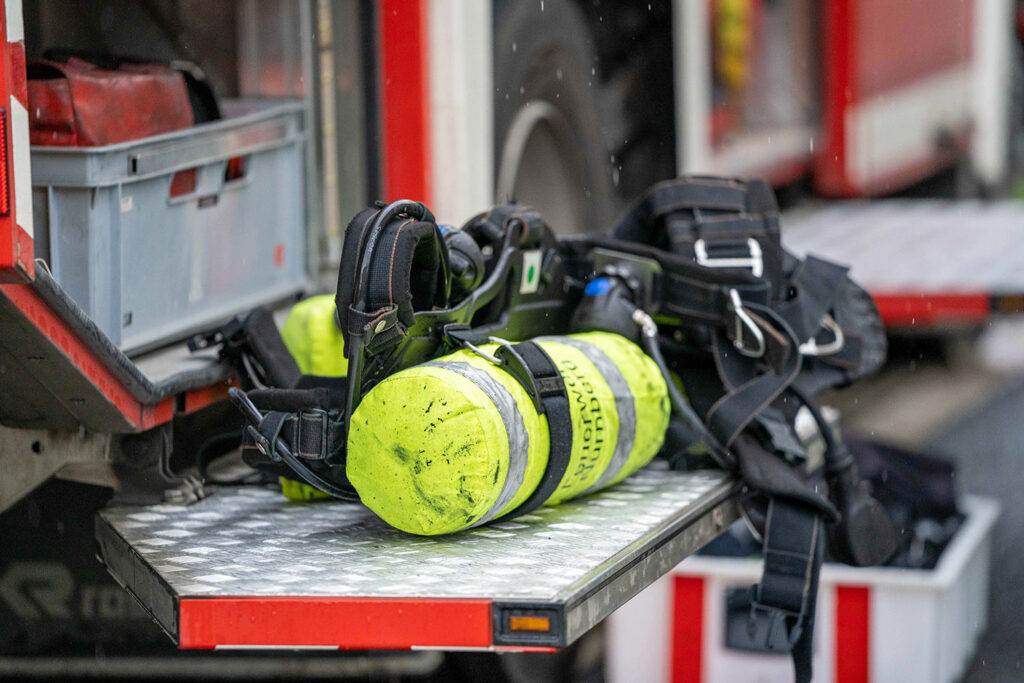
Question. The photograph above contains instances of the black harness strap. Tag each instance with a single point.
(715, 194)
(312, 434)
(734, 411)
(793, 546)
(307, 419)
(694, 294)
(786, 597)
(816, 284)
(539, 375)
(254, 347)
(720, 223)
(705, 302)
(264, 430)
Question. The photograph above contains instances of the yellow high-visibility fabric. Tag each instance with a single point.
(313, 338)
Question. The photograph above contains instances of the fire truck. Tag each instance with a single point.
(112, 257)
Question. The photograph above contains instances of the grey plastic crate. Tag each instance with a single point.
(149, 267)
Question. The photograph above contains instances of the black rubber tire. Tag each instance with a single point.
(544, 69)
(1016, 135)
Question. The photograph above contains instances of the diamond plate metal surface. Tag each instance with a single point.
(924, 245)
(250, 541)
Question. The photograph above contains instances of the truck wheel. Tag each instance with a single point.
(1016, 134)
(548, 134)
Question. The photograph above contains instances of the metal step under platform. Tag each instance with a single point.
(245, 568)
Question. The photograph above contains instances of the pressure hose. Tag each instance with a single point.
(865, 535)
(680, 406)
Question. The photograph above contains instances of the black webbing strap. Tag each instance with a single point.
(539, 375)
(269, 350)
(307, 419)
(254, 347)
(312, 434)
(745, 401)
(730, 241)
(699, 300)
(684, 290)
(715, 194)
(786, 597)
(816, 284)
(265, 429)
(722, 223)
(729, 232)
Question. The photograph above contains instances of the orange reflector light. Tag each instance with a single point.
(521, 623)
(5, 194)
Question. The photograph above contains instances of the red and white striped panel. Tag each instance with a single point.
(873, 625)
(436, 84)
(897, 92)
(16, 237)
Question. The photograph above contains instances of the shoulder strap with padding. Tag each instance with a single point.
(393, 264)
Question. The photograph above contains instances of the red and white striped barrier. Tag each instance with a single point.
(877, 624)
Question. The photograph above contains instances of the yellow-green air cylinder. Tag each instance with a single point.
(457, 442)
(312, 336)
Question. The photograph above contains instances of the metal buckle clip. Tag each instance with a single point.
(538, 388)
(489, 357)
(742, 322)
(755, 261)
(811, 346)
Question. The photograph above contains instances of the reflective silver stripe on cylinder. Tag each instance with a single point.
(515, 428)
(624, 405)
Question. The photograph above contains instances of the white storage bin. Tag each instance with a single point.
(874, 624)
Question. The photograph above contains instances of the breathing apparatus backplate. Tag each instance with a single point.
(702, 257)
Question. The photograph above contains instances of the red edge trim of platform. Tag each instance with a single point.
(913, 310)
(346, 623)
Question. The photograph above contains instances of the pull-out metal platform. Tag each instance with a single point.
(927, 262)
(246, 568)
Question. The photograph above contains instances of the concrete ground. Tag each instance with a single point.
(988, 447)
(968, 408)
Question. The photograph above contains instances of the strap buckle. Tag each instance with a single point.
(262, 443)
(231, 334)
(752, 626)
(776, 618)
(745, 326)
(506, 356)
(812, 348)
(754, 261)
